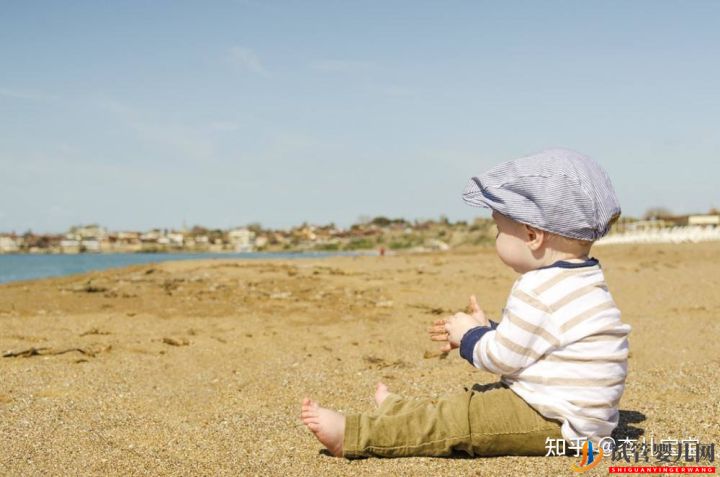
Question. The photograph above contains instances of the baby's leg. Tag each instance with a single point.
(409, 427)
(397, 428)
(329, 426)
(488, 420)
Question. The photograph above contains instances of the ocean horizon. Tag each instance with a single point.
(20, 267)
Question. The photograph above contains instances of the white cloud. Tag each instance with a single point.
(247, 59)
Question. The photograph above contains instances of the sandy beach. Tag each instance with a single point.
(198, 368)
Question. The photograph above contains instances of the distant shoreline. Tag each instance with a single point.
(17, 267)
(368, 251)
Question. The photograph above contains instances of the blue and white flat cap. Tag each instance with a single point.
(557, 190)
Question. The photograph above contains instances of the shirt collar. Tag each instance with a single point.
(591, 262)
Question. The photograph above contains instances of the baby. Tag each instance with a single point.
(560, 348)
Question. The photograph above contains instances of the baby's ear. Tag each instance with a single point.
(535, 237)
(530, 231)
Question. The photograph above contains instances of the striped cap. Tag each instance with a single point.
(557, 190)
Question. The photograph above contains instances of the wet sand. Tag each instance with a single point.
(198, 368)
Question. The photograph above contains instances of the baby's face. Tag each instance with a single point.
(511, 244)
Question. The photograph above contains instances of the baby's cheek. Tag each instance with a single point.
(508, 251)
(501, 247)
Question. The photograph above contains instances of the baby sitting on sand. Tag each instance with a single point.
(560, 349)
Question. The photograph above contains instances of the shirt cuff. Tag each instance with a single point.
(470, 339)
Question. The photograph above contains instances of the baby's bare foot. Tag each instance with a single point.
(381, 393)
(327, 425)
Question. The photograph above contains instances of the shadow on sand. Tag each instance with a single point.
(625, 428)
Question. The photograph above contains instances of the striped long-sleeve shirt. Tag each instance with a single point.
(560, 346)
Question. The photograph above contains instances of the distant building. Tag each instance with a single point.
(8, 244)
(712, 220)
(128, 237)
(242, 239)
(90, 245)
(88, 232)
(152, 236)
(84, 238)
(122, 242)
(175, 238)
(261, 241)
(651, 224)
(70, 245)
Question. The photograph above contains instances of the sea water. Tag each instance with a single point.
(15, 267)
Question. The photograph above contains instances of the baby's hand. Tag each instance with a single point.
(477, 313)
(453, 328)
(438, 333)
(457, 325)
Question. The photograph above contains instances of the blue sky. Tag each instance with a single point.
(142, 114)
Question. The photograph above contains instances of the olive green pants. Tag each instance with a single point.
(487, 420)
